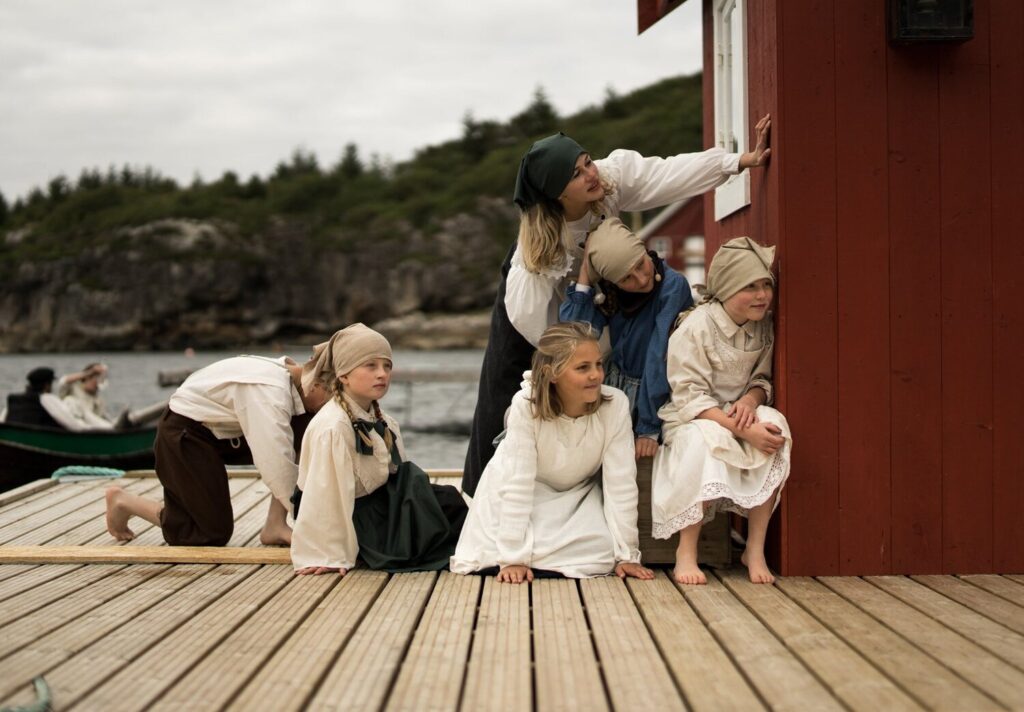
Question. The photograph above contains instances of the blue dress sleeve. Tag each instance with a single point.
(579, 306)
(654, 389)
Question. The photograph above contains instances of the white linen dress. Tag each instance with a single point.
(558, 495)
(702, 468)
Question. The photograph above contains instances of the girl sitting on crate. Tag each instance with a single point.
(357, 495)
(559, 496)
(639, 299)
(724, 448)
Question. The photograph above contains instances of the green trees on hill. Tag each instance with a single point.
(354, 197)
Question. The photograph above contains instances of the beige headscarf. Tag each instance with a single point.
(739, 262)
(613, 251)
(348, 348)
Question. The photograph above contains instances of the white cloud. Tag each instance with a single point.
(199, 86)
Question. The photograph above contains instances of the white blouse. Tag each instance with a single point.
(641, 183)
(331, 476)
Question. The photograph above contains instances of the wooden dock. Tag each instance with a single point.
(211, 636)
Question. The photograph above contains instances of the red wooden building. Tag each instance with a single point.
(896, 201)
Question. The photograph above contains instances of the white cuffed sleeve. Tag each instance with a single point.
(618, 480)
(531, 300)
(59, 411)
(515, 491)
(644, 182)
(689, 369)
(324, 534)
(267, 425)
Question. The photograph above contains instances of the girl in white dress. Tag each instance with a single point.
(724, 448)
(356, 494)
(563, 194)
(560, 493)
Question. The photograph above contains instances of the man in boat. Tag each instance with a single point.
(81, 394)
(246, 396)
(38, 406)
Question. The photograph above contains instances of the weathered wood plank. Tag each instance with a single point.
(28, 576)
(1001, 586)
(168, 657)
(849, 677)
(566, 672)
(973, 663)
(932, 684)
(228, 666)
(30, 599)
(433, 670)
(977, 599)
(26, 490)
(361, 677)
(498, 677)
(992, 636)
(1018, 578)
(778, 676)
(89, 512)
(49, 511)
(290, 676)
(71, 606)
(44, 500)
(632, 666)
(87, 650)
(703, 671)
(145, 554)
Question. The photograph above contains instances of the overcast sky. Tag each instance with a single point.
(205, 86)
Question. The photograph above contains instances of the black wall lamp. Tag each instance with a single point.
(913, 21)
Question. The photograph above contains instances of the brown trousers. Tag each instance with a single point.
(190, 465)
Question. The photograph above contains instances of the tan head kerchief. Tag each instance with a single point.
(613, 251)
(347, 349)
(739, 262)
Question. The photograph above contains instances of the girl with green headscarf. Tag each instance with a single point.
(563, 194)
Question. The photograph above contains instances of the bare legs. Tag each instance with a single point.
(757, 529)
(276, 531)
(687, 571)
(122, 506)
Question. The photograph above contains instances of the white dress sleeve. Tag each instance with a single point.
(643, 182)
(324, 534)
(532, 299)
(515, 491)
(689, 369)
(266, 423)
(618, 481)
(58, 410)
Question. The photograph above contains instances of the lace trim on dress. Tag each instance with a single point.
(721, 498)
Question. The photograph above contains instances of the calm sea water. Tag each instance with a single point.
(434, 414)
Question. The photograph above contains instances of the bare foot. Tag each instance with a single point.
(276, 535)
(118, 515)
(757, 568)
(689, 572)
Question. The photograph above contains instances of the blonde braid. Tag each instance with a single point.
(389, 439)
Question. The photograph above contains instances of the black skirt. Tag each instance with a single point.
(508, 354)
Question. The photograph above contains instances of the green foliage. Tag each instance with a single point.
(356, 199)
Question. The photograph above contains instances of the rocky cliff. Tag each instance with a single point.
(175, 283)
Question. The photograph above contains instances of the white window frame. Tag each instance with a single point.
(662, 245)
(731, 122)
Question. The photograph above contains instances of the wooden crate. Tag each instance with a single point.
(714, 547)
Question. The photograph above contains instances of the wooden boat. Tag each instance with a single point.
(29, 452)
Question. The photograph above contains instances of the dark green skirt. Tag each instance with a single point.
(408, 524)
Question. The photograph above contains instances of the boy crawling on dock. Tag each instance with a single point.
(246, 396)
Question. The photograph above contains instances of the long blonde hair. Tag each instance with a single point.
(542, 230)
(556, 348)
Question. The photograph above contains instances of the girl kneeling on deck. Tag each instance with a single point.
(724, 449)
(560, 493)
(639, 301)
(356, 494)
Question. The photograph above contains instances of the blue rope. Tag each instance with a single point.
(85, 471)
(43, 699)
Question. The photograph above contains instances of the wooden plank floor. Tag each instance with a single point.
(132, 636)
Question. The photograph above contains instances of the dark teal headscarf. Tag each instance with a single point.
(546, 169)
